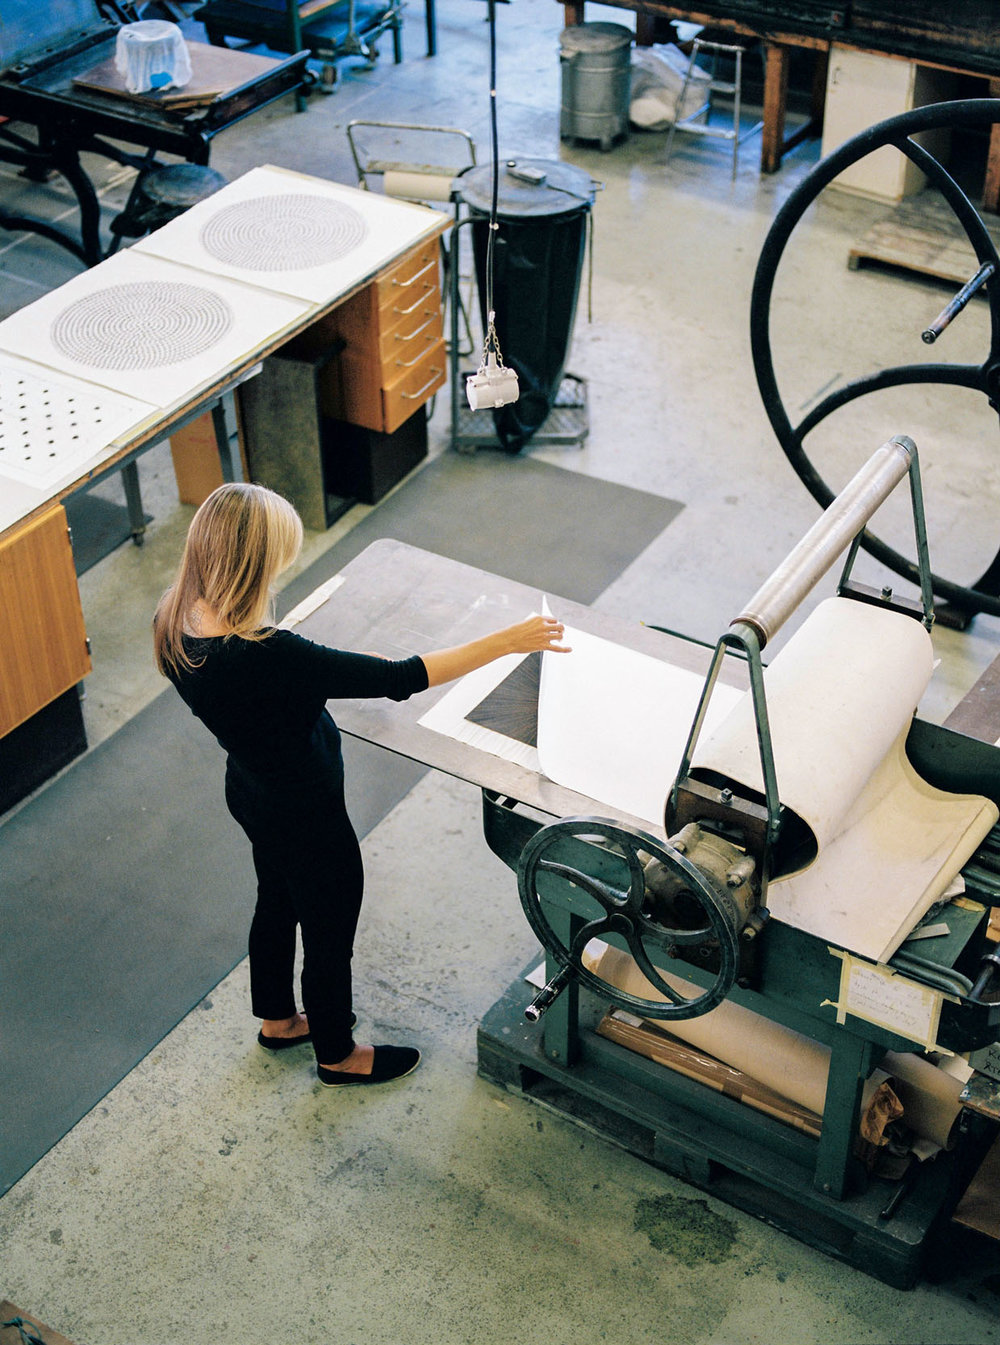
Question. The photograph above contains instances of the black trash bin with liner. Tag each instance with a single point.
(538, 255)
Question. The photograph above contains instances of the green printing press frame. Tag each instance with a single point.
(674, 906)
(694, 903)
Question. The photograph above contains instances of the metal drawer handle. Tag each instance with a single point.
(408, 364)
(412, 396)
(417, 330)
(405, 284)
(403, 312)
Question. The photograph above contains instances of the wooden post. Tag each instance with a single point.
(195, 452)
(991, 185)
(775, 93)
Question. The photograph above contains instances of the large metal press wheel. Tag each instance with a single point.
(982, 595)
(618, 906)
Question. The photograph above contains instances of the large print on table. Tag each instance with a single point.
(292, 234)
(51, 425)
(147, 328)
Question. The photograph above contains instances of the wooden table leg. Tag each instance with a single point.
(991, 186)
(645, 30)
(573, 11)
(775, 93)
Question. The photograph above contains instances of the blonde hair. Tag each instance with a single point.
(239, 541)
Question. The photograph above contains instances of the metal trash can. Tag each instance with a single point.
(537, 266)
(596, 60)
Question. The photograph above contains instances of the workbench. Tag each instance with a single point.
(43, 647)
(966, 41)
(54, 97)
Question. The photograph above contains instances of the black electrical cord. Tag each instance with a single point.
(496, 157)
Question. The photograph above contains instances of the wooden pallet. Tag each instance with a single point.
(922, 235)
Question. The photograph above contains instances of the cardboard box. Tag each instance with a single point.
(979, 1208)
(655, 1043)
(10, 1335)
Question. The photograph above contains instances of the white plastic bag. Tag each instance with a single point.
(152, 54)
(657, 80)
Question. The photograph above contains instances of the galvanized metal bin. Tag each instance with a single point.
(596, 74)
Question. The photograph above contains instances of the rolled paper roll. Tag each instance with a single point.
(791, 1064)
(417, 186)
(929, 1095)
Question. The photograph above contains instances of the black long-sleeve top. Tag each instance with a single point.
(265, 700)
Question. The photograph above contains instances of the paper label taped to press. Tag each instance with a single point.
(878, 994)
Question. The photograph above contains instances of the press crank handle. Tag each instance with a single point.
(547, 996)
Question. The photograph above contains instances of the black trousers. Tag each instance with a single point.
(309, 876)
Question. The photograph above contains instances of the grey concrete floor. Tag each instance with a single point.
(215, 1194)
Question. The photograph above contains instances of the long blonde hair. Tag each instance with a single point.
(239, 541)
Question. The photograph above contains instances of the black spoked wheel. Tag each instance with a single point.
(981, 378)
(609, 898)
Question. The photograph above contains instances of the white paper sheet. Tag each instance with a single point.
(897, 849)
(612, 723)
(292, 234)
(147, 328)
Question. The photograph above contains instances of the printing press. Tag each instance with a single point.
(776, 991)
(58, 80)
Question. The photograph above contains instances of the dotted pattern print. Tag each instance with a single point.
(47, 428)
(292, 232)
(142, 325)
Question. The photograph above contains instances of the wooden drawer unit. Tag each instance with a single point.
(43, 644)
(394, 355)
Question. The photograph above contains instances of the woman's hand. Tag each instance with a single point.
(538, 632)
(527, 637)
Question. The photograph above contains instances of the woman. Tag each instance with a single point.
(262, 692)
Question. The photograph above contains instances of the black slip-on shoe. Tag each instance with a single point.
(391, 1062)
(283, 1043)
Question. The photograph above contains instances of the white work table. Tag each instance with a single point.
(220, 297)
(127, 353)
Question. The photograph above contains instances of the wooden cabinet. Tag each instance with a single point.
(336, 414)
(43, 644)
(394, 356)
(863, 88)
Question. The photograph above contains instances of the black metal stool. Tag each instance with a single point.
(159, 195)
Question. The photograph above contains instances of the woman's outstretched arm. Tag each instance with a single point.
(526, 637)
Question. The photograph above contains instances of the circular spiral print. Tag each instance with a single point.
(142, 325)
(283, 233)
